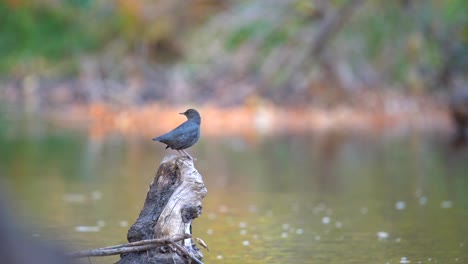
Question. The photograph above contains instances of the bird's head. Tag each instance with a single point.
(191, 113)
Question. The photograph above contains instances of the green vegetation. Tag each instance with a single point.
(402, 42)
(34, 33)
(410, 44)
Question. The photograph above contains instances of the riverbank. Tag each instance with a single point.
(393, 114)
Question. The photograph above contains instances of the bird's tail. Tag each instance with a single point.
(160, 140)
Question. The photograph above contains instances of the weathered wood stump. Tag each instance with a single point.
(173, 201)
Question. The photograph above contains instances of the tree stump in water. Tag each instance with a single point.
(173, 201)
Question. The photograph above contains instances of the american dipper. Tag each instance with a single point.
(185, 135)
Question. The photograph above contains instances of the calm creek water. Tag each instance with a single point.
(326, 198)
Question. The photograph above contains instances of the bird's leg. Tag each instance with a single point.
(183, 153)
(186, 154)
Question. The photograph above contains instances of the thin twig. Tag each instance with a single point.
(138, 246)
(185, 252)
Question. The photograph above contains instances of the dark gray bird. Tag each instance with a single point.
(185, 135)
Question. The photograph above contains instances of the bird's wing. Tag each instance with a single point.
(181, 136)
(173, 133)
(188, 133)
(185, 130)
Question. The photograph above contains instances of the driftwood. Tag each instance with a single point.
(162, 232)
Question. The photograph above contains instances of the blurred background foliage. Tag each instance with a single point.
(293, 51)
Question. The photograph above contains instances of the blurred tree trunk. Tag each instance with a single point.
(331, 25)
(317, 39)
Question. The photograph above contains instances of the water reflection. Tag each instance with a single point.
(322, 198)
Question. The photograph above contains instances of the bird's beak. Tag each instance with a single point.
(182, 113)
